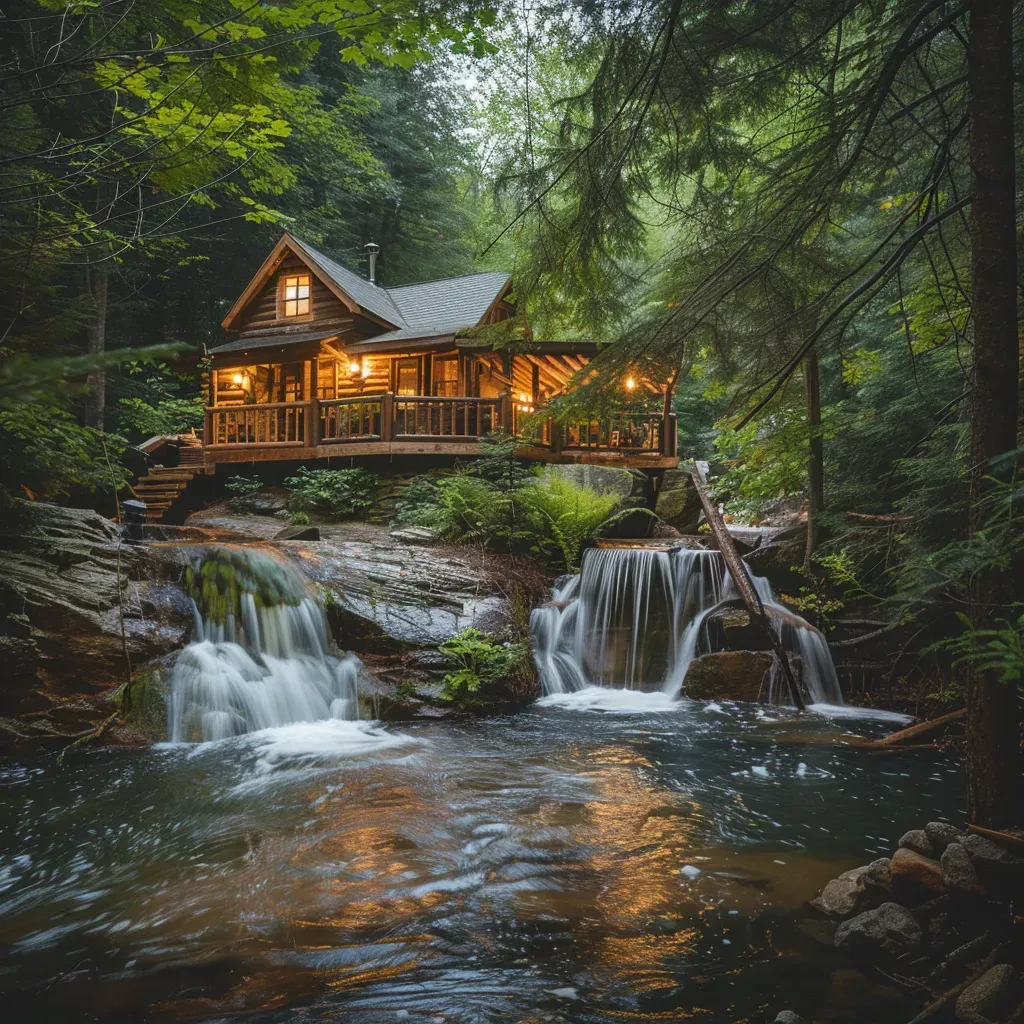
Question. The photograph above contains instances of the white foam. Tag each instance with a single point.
(852, 711)
(599, 698)
(330, 739)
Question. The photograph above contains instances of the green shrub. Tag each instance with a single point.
(562, 516)
(243, 491)
(341, 493)
(243, 486)
(478, 663)
(546, 517)
(459, 507)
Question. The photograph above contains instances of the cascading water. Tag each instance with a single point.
(636, 617)
(258, 657)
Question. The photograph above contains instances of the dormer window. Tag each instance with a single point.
(294, 301)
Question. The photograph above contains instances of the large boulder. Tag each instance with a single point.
(918, 841)
(990, 858)
(727, 675)
(991, 997)
(941, 834)
(878, 876)
(915, 878)
(887, 930)
(848, 894)
(78, 609)
(958, 872)
(678, 503)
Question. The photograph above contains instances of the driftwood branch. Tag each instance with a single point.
(954, 993)
(741, 577)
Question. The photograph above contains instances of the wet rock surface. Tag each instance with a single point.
(888, 929)
(941, 917)
(845, 895)
(78, 611)
(915, 878)
(727, 675)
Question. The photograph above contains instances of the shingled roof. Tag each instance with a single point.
(429, 309)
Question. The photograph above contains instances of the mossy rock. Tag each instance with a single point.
(144, 706)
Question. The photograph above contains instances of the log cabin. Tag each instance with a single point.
(323, 362)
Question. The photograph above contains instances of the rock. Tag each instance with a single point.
(958, 872)
(845, 895)
(789, 1017)
(298, 533)
(727, 675)
(678, 504)
(990, 858)
(918, 841)
(915, 878)
(941, 834)
(990, 998)
(889, 929)
(66, 587)
(258, 504)
(416, 534)
(878, 875)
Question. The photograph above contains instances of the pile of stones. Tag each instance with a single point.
(940, 914)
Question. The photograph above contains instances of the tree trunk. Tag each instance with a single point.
(816, 460)
(993, 728)
(98, 282)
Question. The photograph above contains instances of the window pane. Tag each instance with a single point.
(303, 291)
(302, 306)
(291, 309)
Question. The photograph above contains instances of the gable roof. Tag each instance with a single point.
(373, 299)
(424, 310)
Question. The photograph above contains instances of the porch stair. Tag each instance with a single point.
(162, 486)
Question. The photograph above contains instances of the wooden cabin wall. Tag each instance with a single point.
(261, 312)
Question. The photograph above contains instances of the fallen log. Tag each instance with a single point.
(741, 578)
(915, 732)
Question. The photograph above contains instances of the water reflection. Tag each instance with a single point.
(554, 865)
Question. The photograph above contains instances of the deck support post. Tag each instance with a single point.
(505, 412)
(387, 416)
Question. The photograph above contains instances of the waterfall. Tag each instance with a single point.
(259, 652)
(636, 618)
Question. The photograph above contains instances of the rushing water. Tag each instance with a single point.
(644, 862)
(638, 617)
(259, 652)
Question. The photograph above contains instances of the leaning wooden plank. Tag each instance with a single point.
(741, 577)
(1005, 839)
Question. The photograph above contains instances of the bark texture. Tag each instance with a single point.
(993, 731)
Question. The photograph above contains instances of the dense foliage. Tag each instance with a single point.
(500, 503)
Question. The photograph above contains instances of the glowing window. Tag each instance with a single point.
(295, 295)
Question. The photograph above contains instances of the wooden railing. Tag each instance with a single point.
(384, 416)
(447, 418)
(354, 419)
(625, 433)
(270, 424)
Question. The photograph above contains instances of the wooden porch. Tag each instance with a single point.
(385, 423)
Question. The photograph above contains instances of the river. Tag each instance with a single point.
(600, 857)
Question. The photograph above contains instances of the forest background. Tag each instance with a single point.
(801, 213)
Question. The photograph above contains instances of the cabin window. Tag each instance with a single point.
(446, 376)
(258, 385)
(295, 300)
(407, 377)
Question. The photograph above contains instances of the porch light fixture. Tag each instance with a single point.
(630, 384)
(365, 372)
(241, 380)
(354, 367)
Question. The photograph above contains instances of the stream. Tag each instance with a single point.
(602, 856)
